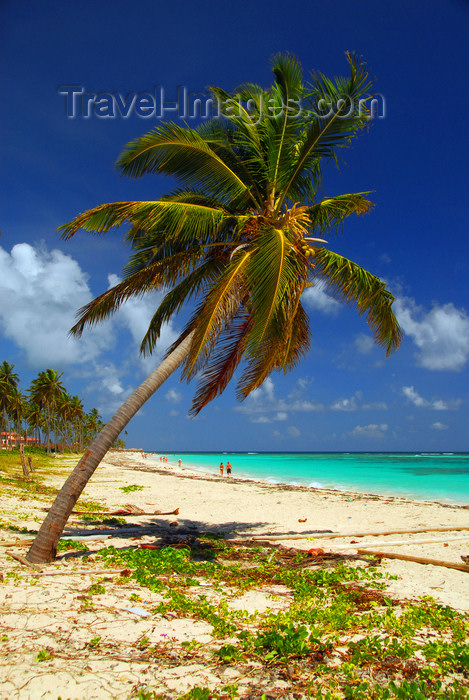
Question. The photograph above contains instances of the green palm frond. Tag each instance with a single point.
(351, 284)
(282, 351)
(323, 135)
(225, 359)
(286, 99)
(151, 277)
(236, 142)
(218, 309)
(180, 151)
(331, 212)
(192, 285)
(272, 275)
(172, 217)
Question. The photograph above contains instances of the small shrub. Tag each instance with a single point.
(132, 487)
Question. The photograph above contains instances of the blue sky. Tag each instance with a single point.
(346, 395)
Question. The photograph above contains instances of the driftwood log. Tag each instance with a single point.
(418, 560)
(330, 535)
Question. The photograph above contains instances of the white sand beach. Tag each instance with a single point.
(254, 508)
(45, 611)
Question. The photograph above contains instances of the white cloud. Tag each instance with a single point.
(439, 426)
(294, 432)
(364, 343)
(264, 407)
(441, 334)
(345, 405)
(414, 396)
(173, 396)
(44, 291)
(264, 393)
(355, 403)
(318, 300)
(370, 431)
(435, 404)
(280, 416)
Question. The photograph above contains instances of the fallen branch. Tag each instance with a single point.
(24, 561)
(330, 535)
(17, 543)
(418, 560)
(85, 572)
(123, 512)
(397, 543)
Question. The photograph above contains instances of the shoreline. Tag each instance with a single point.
(202, 472)
(234, 507)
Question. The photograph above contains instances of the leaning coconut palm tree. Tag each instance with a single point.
(243, 235)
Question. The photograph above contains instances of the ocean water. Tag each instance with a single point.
(438, 476)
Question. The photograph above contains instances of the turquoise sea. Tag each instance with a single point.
(438, 476)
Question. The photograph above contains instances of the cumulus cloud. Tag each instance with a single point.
(264, 407)
(364, 343)
(370, 431)
(435, 404)
(441, 334)
(439, 426)
(293, 431)
(173, 396)
(355, 403)
(318, 300)
(44, 290)
(279, 416)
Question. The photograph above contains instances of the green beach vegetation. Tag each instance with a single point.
(240, 240)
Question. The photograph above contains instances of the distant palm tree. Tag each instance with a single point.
(17, 408)
(77, 414)
(92, 424)
(8, 383)
(243, 235)
(47, 390)
(35, 419)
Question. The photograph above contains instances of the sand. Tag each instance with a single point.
(48, 613)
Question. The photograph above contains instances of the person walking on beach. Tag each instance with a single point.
(221, 469)
(228, 469)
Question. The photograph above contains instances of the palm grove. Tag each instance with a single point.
(238, 243)
(45, 415)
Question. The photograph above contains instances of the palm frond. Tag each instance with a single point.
(172, 216)
(273, 273)
(180, 151)
(221, 366)
(288, 77)
(172, 303)
(236, 141)
(217, 311)
(151, 277)
(331, 212)
(351, 284)
(324, 134)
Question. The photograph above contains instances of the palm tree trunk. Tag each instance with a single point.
(44, 547)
